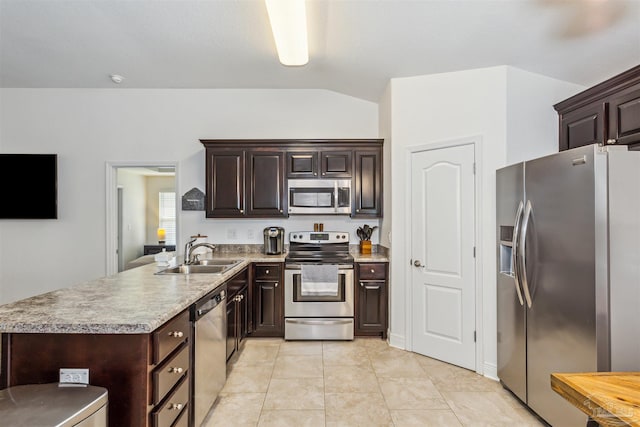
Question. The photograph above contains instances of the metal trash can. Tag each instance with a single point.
(39, 405)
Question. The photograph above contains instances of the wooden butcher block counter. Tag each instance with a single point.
(609, 398)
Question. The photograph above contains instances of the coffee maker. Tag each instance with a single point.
(273, 240)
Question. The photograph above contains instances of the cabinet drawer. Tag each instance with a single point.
(268, 272)
(170, 336)
(372, 271)
(165, 414)
(169, 373)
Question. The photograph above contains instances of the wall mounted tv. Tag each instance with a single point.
(29, 186)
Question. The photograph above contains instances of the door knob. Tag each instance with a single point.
(417, 263)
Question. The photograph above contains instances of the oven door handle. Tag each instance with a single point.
(320, 322)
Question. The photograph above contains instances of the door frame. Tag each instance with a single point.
(476, 142)
(111, 211)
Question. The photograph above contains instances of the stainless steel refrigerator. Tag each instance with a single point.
(568, 279)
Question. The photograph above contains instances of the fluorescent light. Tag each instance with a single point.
(289, 26)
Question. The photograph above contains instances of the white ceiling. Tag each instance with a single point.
(356, 46)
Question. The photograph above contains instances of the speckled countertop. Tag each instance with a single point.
(135, 301)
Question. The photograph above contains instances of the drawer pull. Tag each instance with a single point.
(276, 284)
(175, 406)
(175, 370)
(176, 334)
(372, 270)
(267, 271)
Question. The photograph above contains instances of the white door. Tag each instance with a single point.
(442, 252)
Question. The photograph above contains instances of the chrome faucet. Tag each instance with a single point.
(189, 247)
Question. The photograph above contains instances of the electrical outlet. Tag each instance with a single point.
(74, 376)
(232, 234)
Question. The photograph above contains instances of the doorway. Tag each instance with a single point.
(443, 276)
(141, 200)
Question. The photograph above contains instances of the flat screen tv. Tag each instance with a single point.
(29, 186)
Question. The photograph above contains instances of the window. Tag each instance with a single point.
(167, 215)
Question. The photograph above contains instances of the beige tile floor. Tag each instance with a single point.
(360, 383)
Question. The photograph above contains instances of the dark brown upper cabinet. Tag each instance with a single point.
(225, 183)
(248, 178)
(245, 183)
(608, 113)
(367, 188)
(624, 117)
(335, 164)
(265, 184)
(302, 164)
(319, 164)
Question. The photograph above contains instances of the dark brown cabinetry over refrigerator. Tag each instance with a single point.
(608, 113)
(371, 302)
(268, 300)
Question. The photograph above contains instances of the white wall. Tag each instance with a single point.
(488, 105)
(532, 122)
(89, 127)
(134, 202)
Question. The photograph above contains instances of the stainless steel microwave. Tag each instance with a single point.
(319, 196)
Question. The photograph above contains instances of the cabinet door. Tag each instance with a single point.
(371, 314)
(265, 184)
(232, 327)
(225, 183)
(624, 117)
(583, 126)
(243, 315)
(302, 164)
(335, 164)
(367, 193)
(372, 306)
(268, 300)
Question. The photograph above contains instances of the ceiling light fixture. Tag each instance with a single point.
(289, 26)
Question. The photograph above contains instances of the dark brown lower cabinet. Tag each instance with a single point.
(237, 313)
(268, 300)
(371, 302)
(129, 366)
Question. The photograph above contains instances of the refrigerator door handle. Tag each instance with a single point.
(514, 252)
(522, 251)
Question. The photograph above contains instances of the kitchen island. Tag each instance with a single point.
(130, 330)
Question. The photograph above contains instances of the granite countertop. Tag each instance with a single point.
(135, 301)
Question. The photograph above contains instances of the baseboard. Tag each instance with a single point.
(491, 371)
(397, 341)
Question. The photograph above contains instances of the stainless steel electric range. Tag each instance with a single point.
(319, 294)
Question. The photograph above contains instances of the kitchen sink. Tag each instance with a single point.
(195, 269)
(215, 261)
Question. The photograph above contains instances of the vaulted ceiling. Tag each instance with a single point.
(356, 46)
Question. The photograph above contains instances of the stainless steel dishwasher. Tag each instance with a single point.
(210, 351)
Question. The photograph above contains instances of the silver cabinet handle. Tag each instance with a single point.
(241, 210)
(276, 284)
(522, 250)
(281, 210)
(514, 252)
(176, 334)
(266, 271)
(319, 322)
(372, 270)
(174, 406)
(417, 263)
(611, 141)
(175, 370)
